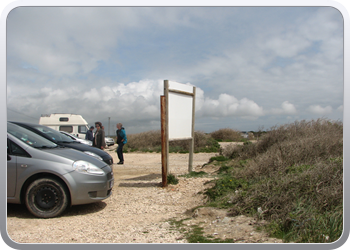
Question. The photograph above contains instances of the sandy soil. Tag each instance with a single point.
(139, 209)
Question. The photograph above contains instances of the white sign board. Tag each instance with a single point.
(177, 120)
(180, 108)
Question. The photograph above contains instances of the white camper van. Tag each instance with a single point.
(71, 123)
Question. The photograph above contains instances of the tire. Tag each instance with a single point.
(46, 198)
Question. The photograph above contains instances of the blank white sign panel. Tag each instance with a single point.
(180, 116)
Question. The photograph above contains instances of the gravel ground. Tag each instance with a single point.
(138, 210)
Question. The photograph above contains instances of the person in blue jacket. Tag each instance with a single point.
(121, 140)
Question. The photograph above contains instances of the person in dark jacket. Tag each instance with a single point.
(121, 140)
(99, 140)
(89, 134)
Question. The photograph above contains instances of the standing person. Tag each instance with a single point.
(89, 135)
(99, 140)
(121, 140)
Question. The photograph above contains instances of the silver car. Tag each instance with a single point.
(109, 141)
(48, 178)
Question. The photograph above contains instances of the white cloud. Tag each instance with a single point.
(318, 110)
(286, 109)
(136, 100)
(322, 25)
(340, 108)
(226, 106)
(287, 46)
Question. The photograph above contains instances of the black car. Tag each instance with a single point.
(65, 141)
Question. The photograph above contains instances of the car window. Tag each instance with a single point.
(54, 134)
(29, 137)
(14, 149)
(82, 129)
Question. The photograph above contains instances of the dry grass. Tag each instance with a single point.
(294, 173)
(299, 142)
(150, 141)
(226, 134)
(144, 141)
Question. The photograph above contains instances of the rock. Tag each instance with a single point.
(226, 220)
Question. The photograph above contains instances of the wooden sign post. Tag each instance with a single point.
(177, 120)
(163, 139)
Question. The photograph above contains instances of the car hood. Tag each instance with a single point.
(75, 155)
(84, 147)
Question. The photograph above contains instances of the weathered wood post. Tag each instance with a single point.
(190, 162)
(164, 143)
(166, 95)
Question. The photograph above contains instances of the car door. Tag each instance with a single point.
(15, 155)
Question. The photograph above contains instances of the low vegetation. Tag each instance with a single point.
(195, 234)
(171, 179)
(226, 135)
(150, 141)
(292, 177)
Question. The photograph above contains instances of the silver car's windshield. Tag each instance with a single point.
(29, 137)
(54, 134)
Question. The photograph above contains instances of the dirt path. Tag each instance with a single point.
(138, 210)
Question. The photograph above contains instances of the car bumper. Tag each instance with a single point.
(109, 143)
(108, 159)
(86, 188)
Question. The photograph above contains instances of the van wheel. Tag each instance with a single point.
(46, 198)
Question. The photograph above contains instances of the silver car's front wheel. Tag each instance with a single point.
(46, 197)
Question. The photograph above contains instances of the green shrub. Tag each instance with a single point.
(225, 184)
(218, 158)
(171, 179)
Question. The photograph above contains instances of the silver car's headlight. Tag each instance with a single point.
(93, 155)
(87, 168)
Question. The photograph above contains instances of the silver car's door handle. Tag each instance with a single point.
(24, 165)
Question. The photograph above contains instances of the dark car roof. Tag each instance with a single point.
(75, 145)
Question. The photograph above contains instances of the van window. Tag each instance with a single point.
(64, 119)
(68, 129)
(82, 129)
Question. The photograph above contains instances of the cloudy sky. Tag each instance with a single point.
(253, 67)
